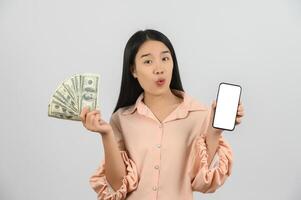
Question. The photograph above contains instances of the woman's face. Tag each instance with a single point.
(153, 61)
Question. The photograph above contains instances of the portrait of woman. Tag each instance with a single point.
(159, 142)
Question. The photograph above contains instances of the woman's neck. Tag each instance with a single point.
(163, 100)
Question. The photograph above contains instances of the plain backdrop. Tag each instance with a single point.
(256, 44)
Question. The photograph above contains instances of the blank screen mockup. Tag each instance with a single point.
(226, 106)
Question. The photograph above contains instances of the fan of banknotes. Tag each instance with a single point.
(75, 93)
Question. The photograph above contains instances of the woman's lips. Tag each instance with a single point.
(160, 82)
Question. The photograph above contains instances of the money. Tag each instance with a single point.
(73, 94)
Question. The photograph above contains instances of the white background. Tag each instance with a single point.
(256, 44)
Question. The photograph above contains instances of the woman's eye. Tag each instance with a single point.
(147, 61)
(167, 58)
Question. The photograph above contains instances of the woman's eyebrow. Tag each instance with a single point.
(150, 54)
(165, 52)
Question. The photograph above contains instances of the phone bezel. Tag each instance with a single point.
(217, 102)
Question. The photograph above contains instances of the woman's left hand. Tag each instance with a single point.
(239, 115)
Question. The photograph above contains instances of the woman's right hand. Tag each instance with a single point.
(92, 121)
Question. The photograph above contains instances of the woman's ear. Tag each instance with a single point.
(133, 71)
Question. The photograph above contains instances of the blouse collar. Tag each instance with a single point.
(188, 104)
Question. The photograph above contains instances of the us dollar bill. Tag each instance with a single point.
(73, 94)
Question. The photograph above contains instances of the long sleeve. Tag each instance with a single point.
(98, 179)
(205, 178)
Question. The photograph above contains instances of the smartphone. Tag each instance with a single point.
(227, 102)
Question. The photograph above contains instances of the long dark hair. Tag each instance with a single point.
(130, 88)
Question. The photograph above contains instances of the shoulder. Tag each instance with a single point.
(119, 116)
(193, 104)
(122, 111)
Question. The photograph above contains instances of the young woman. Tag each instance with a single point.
(159, 143)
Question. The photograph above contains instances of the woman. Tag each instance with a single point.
(159, 143)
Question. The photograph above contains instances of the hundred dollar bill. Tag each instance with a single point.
(89, 92)
(75, 93)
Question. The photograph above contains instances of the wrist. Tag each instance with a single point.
(108, 134)
(215, 132)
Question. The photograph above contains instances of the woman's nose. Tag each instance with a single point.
(159, 71)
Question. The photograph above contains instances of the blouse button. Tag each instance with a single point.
(158, 145)
(157, 167)
(155, 188)
(160, 126)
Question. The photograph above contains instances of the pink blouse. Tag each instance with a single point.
(164, 160)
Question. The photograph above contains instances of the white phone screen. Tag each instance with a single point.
(226, 106)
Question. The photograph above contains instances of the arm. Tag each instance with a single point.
(211, 158)
(214, 135)
(212, 141)
(207, 178)
(114, 165)
(117, 174)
